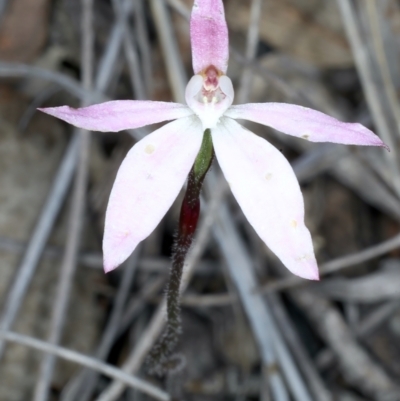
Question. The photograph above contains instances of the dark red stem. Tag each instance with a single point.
(160, 358)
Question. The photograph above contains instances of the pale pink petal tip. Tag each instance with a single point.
(117, 250)
(118, 115)
(298, 254)
(209, 36)
(108, 267)
(308, 272)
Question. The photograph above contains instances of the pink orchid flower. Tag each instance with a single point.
(260, 177)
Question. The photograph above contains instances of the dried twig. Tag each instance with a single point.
(208, 300)
(110, 55)
(337, 264)
(374, 11)
(87, 361)
(180, 7)
(364, 68)
(374, 287)
(357, 367)
(251, 49)
(317, 386)
(376, 318)
(138, 303)
(39, 237)
(9, 70)
(76, 217)
(144, 45)
(176, 73)
(84, 383)
(130, 51)
(364, 327)
(94, 260)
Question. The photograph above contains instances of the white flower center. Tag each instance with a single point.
(209, 97)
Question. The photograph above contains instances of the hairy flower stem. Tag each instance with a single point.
(160, 357)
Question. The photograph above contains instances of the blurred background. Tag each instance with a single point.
(251, 330)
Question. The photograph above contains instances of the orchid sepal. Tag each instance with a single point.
(148, 181)
(305, 123)
(266, 188)
(118, 115)
(209, 36)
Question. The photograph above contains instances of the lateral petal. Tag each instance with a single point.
(305, 123)
(268, 192)
(118, 115)
(147, 183)
(209, 36)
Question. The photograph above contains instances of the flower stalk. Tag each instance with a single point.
(161, 359)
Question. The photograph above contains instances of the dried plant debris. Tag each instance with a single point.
(27, 162)
(310, 30)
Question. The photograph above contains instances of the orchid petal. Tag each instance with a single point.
(305, 123)
(268, 192)
(147, 183)
(118, 115)
(209, 36)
